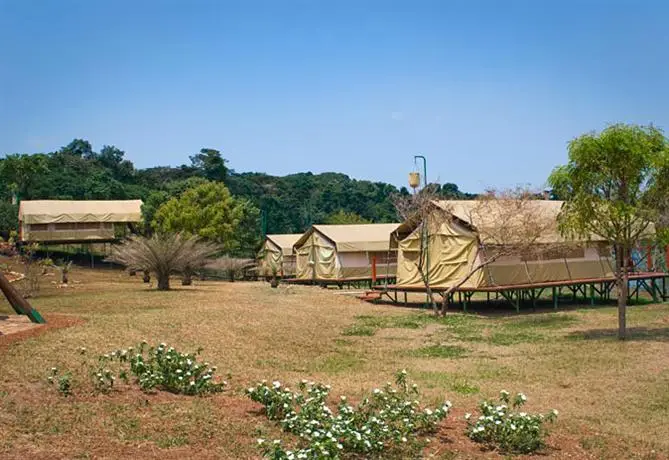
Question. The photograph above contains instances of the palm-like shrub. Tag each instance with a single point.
(232, 267)
(163, 254)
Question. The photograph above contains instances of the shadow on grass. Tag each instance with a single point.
(498, 307)
(660, 334)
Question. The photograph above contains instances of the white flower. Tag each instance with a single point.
(276, 384)
(555, 412)
(404, 439)
(377, 391)
(428, 411)
(277, 441)
(467, 416)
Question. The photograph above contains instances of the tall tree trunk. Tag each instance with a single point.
(163, 281)
(147, 276)
(622, 280)
(187, 279)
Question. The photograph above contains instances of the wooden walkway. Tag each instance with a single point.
(654, 283)
(357, 282)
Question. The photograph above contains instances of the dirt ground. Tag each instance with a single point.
(612, 396)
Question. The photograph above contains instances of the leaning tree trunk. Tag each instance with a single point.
(163, 281)
(428, 291)
(187, 279)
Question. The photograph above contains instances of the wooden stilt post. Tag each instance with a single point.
(373, 270)
(592, 295)
(555, 298)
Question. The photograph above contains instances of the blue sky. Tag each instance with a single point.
(489, 91)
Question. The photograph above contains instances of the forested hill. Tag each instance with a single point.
(289, 203)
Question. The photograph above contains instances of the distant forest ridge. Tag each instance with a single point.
(288, 204)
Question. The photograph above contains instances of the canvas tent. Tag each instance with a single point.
(456, 243)
(70, 221)
(340, 252)
(276, 255)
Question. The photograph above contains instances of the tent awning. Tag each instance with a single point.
(71, 211)
(354, 237)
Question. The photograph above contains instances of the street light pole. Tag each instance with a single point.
(424, 167)
(425, 233)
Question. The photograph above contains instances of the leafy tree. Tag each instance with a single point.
(21, 172)
(79, 148)
(209, 211)
(342, 217)
(163, 254)
(210, 164)
(8, 218)
(615, 184)
(112, 159)
(450, 191)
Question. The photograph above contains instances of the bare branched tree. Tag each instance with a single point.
(416, 210)
(231, 266)
(163, 254)
(507, 223)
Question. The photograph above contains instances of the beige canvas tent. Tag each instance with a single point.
(69, 221)
(276, 255)
(460, 238)
(340, 252)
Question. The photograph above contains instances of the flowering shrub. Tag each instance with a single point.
(161, 367)
(63, 381)
(152, 368)
(501, 426)
(388, 419)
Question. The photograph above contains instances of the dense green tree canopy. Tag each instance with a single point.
(291, 203)
(342, 217)
(8, 218)
(616, 185)
(210, 212)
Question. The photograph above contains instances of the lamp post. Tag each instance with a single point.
(415, 157)
(425, 232)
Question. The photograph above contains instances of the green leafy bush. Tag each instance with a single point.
(158, 368)
(387, 420)
(152, 368)
(63, 382)
(501, 426)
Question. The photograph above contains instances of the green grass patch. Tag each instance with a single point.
(440, 351)
(514, 338)
(341, 361)
(550, 321)
(166, 442)
(464, 388)
(359, 330)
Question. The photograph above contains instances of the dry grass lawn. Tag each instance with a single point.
(613, 397)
